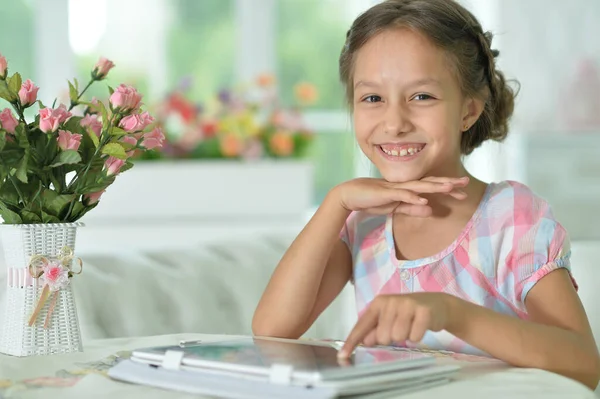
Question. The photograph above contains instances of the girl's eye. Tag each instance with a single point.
(422, 97)
(372, 99)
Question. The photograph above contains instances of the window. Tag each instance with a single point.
(172, 43)
(17, 37)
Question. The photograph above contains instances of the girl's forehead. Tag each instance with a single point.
(400, 54)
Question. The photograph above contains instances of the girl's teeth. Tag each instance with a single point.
(403, 152)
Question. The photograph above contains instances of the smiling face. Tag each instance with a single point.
(409, 112)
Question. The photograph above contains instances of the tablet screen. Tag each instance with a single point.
(302, 355)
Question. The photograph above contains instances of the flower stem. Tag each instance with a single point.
(74, 104)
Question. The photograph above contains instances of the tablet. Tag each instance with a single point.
(303, 361)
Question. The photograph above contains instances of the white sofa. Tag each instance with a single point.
(214, 288)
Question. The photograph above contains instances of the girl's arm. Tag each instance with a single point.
(557, 337)
(313, 271)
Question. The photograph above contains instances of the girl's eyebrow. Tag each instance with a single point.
(415, 83)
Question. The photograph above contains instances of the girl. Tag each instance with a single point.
(438, 258)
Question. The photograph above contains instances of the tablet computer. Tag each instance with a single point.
(293, 362)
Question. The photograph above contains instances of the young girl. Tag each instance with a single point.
(438, 258)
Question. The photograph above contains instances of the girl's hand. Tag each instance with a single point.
(397, 318)
(381, 197)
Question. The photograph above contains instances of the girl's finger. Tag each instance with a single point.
(387, 316)
(371, 338)
(459, 181)
(458, 194)
(414, 210)
(420, 324)
(404, 195)
(402, 326)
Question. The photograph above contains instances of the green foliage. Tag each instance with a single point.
(46, 177)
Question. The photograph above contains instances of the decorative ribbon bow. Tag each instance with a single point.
(55, 274)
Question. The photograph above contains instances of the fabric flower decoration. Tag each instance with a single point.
(55, 275)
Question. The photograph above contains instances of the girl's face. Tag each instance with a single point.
(409, 112)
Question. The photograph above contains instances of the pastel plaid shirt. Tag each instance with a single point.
(510, 243)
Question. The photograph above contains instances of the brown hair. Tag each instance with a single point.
(455, 30)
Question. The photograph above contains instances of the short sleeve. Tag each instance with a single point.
(542, 248)
(348, 231)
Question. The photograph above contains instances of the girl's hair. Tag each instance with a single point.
(455, 30)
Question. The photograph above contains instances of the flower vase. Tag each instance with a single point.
(39, 316)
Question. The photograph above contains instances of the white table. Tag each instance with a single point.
(82, 376)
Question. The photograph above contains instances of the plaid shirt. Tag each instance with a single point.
(510, 243)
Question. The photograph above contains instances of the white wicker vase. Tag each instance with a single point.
(62, 334)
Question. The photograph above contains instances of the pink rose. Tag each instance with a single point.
(28, 93)
(126, 98)
(92, 198)
(48, 121)
(68, 141)
(153, 139)
(7, 121)
(3, 67)
(61, 113)
(55, 275)
(130, 140)
(93, 123)
(51, 119)
(136, 122)
(113, 165)
(102, 67)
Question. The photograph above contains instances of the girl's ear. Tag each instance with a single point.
(472, 109)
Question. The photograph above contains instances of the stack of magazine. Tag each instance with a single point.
(276, 368)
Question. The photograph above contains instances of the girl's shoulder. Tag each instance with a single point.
(512, 200)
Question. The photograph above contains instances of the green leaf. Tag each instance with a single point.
(2, 139)
(117, 131)
(21, 136)
(79, 210)
(93, 137)
(21, 172)
(114, 150)
(5, 93)
(47, 218)
(110, 91)
(67, 157)
(104, 114)
(55, 204)
(76, 84)
(30, 217)
(9, 216)
(73, 93)
(128, 165)
(14, 83)
(41, 104)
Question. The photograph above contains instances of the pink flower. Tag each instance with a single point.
(51, 119)
(93, 123)
(92, 198)
(102, 67)
(55, 275)
(113, 165)
(68, 141)
(130, 140)
(126, 98)
(3, 67)
(136, 122)
(28, 93)
(61, 113)
(48, 121)
(7, 121)
(153, 139)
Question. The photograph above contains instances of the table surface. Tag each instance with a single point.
(83, 374)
